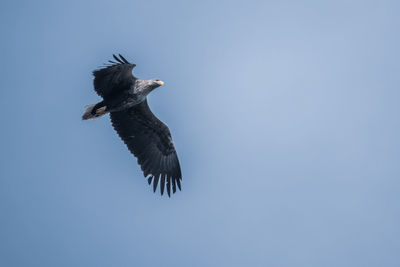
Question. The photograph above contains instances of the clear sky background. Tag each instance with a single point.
(285, 115)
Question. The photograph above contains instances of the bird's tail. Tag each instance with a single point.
(94, 111)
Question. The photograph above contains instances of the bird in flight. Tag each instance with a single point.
(147, 138)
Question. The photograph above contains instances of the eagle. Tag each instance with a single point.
(147, 137)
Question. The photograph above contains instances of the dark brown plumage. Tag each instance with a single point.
(147, 138)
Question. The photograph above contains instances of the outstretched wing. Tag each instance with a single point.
(149, 139)
(114, 78)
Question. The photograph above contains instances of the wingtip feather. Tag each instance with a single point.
(155, 183)
(169, 186)
(117, 59)
(162, 185)
(126, 61)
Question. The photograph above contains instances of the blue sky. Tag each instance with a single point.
(285, 115)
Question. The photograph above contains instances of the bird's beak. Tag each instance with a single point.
(160, 83)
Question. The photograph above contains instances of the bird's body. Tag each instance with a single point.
(148, 138)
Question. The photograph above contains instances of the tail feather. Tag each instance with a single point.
(94, 111)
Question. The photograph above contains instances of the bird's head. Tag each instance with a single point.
(146, 86)
(156, 83)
